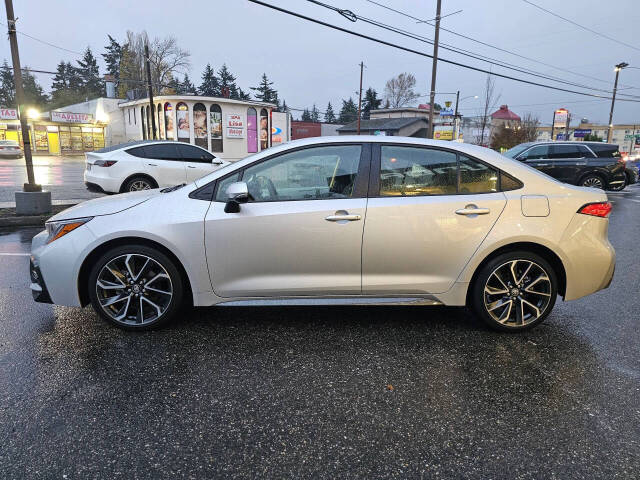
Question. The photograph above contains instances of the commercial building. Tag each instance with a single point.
(232, 129)
(405, 122)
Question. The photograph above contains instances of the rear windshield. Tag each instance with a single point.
(605, 150)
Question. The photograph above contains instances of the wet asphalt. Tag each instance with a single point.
(323, 392)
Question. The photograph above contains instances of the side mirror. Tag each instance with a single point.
(237, 193)
(521, 158)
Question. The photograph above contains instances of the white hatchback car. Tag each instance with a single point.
(335, 219)
(147, 164)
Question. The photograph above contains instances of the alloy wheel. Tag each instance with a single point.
(594, 182)
(134, 289)
(517, 293)
(139, 185)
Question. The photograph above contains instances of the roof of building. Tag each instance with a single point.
(503, 113)
(381, 124)
(194, 98)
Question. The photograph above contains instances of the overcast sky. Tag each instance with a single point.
(310, 63)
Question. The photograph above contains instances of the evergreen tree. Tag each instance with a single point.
(306, 115)
(173, 87)
(186, 87)
(112, 58)
(283, 107)
(315, 114)
(349, 111)
(242, 95)
(34, 95)
(329, 116)
(264, 92)
(128, 72)
(210, 86)
(91, 84)
(227, 83)
(371, 102)
(65, 89)
(7, 87)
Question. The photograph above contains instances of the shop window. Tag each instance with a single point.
(42, 144)
(252, 130)
(98, 137)
(182, 121)
(147, 118)
(168, 121)
(144, 128)
(76, 139)
(264, 129)
(87, 139)
(134, 116)
(200, 125)
(129, 112)
(215, 120)
(65, 139)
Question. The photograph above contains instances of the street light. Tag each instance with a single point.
(33, 113)
(619, 67)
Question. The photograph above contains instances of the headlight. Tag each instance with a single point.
(55, 230)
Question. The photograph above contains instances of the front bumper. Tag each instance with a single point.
(38, 287)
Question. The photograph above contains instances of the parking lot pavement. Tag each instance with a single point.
(62, 175)
(326, 392)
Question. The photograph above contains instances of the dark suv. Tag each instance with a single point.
(589, 164)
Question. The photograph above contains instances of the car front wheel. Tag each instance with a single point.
(515, 291)
(135, 287)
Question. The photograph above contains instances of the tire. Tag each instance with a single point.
(494, 288)
(621, 186)
(137, 183)
(137, 306)
(592, 180)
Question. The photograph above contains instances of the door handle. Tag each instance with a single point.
(472, 210)
(190, 166)
(342, 216)
(152, 164)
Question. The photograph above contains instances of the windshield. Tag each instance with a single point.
(514, 151)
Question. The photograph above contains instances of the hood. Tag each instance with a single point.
(105, 205)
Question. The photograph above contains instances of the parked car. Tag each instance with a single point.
(386, 219)
(630, 172)
(10, 149)
(147, 164)
(589, 164)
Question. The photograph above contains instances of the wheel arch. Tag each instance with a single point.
(598, 173)
(87, 263)
(134, 175)
(545, 252)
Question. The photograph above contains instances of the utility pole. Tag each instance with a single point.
(150, 89)
(360, 96)
(553, 124)
(566, 127)
(434, 67)
(619, 67)
(455, 117)
(31, 186)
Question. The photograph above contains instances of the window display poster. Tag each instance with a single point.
(216, 125)
(182, 119)
(168, 119)
(200, 127)
(264, 132)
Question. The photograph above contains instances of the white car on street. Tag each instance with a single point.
(335, 219)
(10, 149)
(147, 164)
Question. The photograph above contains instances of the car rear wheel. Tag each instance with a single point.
(593, 181)
(135, 287)
(515, 291)
(620, 186)
(136, 184)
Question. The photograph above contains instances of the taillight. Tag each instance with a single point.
(104, 163)
(601, 209)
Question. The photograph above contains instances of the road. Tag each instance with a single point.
(62, 175)
(293, 392)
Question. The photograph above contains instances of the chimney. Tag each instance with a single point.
(110, 86)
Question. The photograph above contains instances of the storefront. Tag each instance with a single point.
(62, 133)
(231, 129)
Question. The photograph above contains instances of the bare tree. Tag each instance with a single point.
(529, 128)
(483, 119)
(398, 91)
(166, 57)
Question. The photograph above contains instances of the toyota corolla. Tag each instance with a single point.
(336, 220)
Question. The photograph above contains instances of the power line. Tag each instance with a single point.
(466, 37)
(423, 54)
(581, 26)
(44, 41)
(353, 17)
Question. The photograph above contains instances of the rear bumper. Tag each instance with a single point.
(98, 180)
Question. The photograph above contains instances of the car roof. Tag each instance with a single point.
(136, 144)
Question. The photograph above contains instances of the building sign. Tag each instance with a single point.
(235, 125)
(443, 132)
(446, 112)
(68, 117)
(278, 127)
(581, 132)
(560, 117)
(8, 114)
(632, 137)
(561, 136)
(380, 133)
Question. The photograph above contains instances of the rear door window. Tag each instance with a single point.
(137, 152)
(189, 153)
(161, 151)
(605, 150)
(585, 152)
(565, 151)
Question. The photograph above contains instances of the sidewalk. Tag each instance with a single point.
(9, 219)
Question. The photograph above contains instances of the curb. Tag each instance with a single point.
(12, 220)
